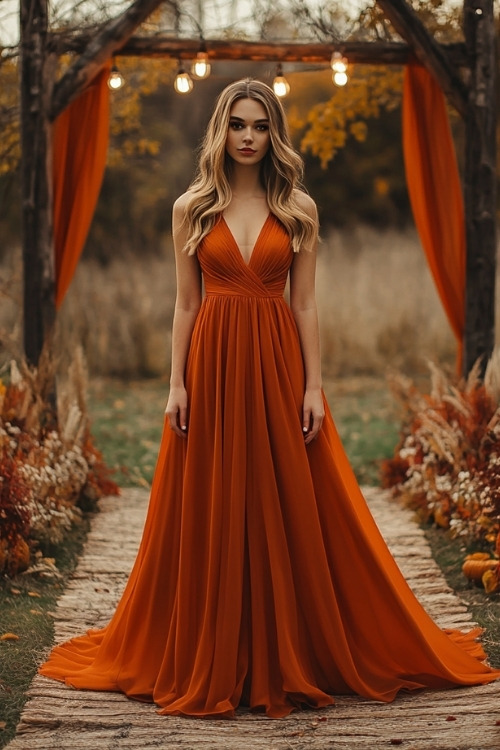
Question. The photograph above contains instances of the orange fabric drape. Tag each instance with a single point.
(435, 191)
(81, 134)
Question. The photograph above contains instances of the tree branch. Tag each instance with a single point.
(99, 49)
(373, 52)
(427, 50)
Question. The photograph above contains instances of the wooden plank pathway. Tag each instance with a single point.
(60, 718)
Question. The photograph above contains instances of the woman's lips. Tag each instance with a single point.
(248, 151)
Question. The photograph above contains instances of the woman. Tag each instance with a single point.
(261, 579)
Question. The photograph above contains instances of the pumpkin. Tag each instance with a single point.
(474, 569)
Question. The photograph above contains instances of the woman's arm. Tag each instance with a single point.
(303, 306)
(187, 305)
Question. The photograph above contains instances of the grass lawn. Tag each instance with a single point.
(127, 420)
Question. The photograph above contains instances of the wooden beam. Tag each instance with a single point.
(98, 50)
(431, 54)
(37, 70)
(388, 53)
(480, 182)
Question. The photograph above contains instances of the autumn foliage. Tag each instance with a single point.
(49, 466)
(447, 464)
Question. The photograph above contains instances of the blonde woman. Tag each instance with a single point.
(261, 580)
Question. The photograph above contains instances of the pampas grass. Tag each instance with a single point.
(447, 464)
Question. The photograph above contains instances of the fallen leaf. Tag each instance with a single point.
(35, 593)
(36, 612)
(3, 724)
(322, 718)
(497, 723)
(15, 591)
(9, 637)
(396, 742)
(451, 718)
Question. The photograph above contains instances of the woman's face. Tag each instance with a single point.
(248, 136)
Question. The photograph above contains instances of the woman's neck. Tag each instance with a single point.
(245, 182)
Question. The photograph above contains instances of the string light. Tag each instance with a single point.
(115, 79)
(183, 83)
(281, 86)
(339, 67)
(201, 67)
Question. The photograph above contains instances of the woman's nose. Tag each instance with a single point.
(247, 135)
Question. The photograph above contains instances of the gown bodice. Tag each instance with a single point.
(225, 272)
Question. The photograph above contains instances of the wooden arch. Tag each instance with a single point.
(466, 73)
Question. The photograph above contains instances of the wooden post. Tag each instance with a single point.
(431, 54)
(38, 256)
(480, 182)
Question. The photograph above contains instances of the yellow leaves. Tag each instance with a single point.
(10, 150)
(140, 147)
(359, 130)
(9, 637)
(142, 78)
(381, 186)
(328, 124)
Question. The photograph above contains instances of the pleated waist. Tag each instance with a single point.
(244, 295)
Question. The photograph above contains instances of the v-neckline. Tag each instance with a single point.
(237, 247)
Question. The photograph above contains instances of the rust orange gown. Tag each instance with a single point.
(262, 579)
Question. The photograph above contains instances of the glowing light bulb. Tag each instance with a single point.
(115, 80)
(281, 86)
(183, 83)
(340, 79)
(338, 63)
(201, 67)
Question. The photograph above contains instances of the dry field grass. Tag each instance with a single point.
(377, 303)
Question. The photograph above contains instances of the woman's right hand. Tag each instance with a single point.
(176, 410)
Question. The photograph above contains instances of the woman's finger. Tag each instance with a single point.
(183, 419)
(174, 424)
(315, 428)
(306, 421)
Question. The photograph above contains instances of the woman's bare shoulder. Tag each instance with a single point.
(306, 203)
(182, 202)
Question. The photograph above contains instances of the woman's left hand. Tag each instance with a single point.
(313, 412)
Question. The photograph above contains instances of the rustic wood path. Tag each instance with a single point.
(60, 718)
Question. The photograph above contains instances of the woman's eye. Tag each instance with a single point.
(235, 125)
(262, 128)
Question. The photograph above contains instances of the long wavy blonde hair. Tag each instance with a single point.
(281, 170)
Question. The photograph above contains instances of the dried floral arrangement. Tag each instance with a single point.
(447, 463)
(49, 466)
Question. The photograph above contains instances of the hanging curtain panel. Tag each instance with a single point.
(435, 191)
(81, 134)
